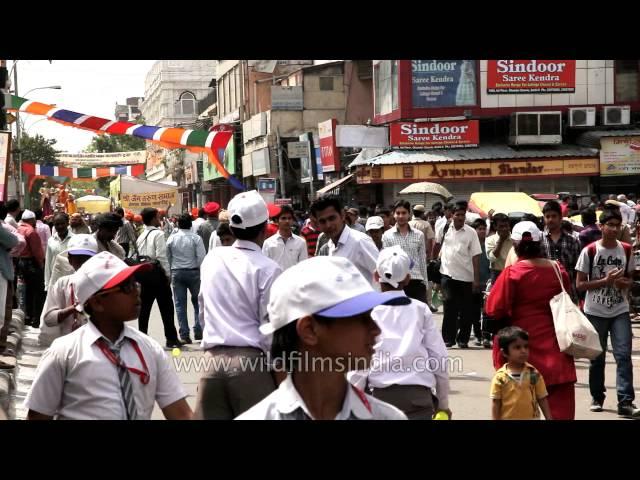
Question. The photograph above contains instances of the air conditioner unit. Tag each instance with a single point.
(618, 115)
(582, 117)
(535, 128)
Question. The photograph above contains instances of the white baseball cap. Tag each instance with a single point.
(329, 286)
(247, 209)
(82, 244)
(101, 272)
(523, 228)
(28, 215)
(374, 223)
(393, 265)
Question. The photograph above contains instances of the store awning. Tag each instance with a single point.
(483, 152)
(336, 184)
(592, 138)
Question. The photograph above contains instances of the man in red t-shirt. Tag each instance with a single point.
(310, 232)
(564, 206)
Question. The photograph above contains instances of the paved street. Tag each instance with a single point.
(469, 387)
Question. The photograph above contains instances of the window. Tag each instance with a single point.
(627, 80)
(385, 86)
(187, 103)
(326, 83)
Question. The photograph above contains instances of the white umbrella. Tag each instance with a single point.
(427, 188)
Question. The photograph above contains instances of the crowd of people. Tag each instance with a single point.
(355, 287)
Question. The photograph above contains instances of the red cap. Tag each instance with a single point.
(137, 218)
(194, 212)
(273, 209)
(211, 208)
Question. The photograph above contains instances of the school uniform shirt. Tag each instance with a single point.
(285, 403)
(286, 252)
(519, 394)
(59, 297)
(76, 381)
(356, 247)
(55, 246)
(411, 338)
(458, 249)
(413, 244)
(153, 244)
(235, 283)
(11, 221)
(605, 302)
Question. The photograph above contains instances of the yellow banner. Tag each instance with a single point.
(619, 156)
(137, 201)
(492, 169)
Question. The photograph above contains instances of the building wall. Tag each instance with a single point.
(166, 81)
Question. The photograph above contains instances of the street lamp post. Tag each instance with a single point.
(18, 136)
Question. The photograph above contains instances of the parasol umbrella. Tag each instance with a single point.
(427, 188)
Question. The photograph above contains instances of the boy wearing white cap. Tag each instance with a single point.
(106, 370)
(59, 315)
(322, 328)
(234, 293)
(409, 338)
(375, 229)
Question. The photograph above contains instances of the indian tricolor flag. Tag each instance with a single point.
(51, 171)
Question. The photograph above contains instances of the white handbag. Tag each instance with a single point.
(575, 333)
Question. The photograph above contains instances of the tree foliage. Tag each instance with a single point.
(38, 150)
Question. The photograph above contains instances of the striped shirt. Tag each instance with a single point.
(311, 237)
(567, 251)
(413, 244)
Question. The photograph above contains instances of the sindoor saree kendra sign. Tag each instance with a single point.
(458, 134)
(531, 76)
(484, 170)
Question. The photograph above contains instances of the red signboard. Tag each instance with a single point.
(328, 151)
(531, 76)
(456, 134)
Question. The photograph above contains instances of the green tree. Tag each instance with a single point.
(38, 150)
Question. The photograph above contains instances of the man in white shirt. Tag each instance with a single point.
(106, 370)
(322, 328)
(155, 286)
(441, 228)
(13, 207)
(234, 293)
(56, 244)
(460, 269)
(408, 333)
(284, 247)
(199, 217)
(344, 241)
(185, 252)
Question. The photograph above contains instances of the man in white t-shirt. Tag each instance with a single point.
(460, 269)
(604, 272)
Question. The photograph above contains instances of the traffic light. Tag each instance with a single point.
(4, 76)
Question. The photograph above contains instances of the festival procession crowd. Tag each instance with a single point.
(323, 315)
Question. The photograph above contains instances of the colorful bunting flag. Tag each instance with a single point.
(50, 171)
(193, 140)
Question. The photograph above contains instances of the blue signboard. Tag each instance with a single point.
(443, 83)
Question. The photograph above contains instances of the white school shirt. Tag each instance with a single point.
(458, 249)
(285, 252)
(76, 381)
(54, 246)
(59, 297)
(235, 283)
(285, 403)
(358, 248)
(410, 350)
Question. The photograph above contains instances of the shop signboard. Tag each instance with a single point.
(443, 83)
(422, 135)
(531, 76)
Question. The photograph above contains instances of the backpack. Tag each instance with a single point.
(591, 251)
